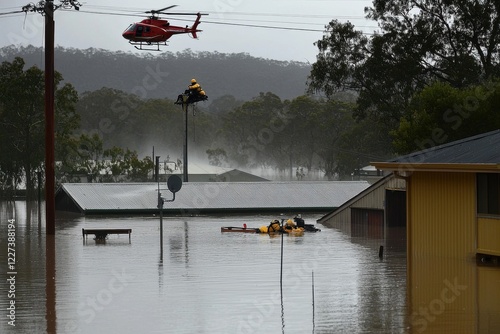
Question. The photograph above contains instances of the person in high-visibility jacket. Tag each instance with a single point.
(274, 226)
(193, 94)
(195, 91)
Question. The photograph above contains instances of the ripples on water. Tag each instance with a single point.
(208, 282)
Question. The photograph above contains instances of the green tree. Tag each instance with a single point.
(441, 113)
(86, 156)
(419, 42)
(224, 104)
(155, 122)
(303, 115)
(139, 169)
(217, 156)
(22, 125)
(124, 165)
(360, 144)
(335, 118)
(82, 156)
(110, 113)
(252, 130)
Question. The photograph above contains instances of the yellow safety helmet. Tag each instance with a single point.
(193, 81)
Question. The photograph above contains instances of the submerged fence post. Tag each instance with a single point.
(312, 276)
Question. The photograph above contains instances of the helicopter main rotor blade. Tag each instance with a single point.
(157, 11)
(170, 13)
(161, 10)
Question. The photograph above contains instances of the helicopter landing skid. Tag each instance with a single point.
(148, 46)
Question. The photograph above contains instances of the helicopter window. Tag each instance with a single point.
(147, 29)
(139, 30)
(131, 27)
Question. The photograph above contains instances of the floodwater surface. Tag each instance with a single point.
(205, 281)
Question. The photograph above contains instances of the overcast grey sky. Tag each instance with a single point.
(100, 23)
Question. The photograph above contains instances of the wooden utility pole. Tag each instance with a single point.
(50, 203)
(47, 9)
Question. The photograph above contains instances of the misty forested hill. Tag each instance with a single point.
(165, 75)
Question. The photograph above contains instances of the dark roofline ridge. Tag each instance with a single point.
(408, 157)
(375, 185)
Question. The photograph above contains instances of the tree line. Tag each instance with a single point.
(427, 77)
(165, 74)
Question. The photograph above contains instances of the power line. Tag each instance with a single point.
(262, 26)
(219, 22)
(12, 13)
(137, 12)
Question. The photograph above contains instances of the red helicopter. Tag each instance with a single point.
(156, 31)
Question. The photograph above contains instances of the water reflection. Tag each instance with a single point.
(30, 294)
(179, 244)
(454, 296)
(50, 279)
(213, 282)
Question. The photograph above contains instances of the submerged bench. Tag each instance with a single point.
(102, 233)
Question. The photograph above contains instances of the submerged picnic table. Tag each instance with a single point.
(102, 233)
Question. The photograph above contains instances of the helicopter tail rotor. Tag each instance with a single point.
(194, 29)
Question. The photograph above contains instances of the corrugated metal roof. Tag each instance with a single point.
(211, 196)
(346, 205)
(483, 148)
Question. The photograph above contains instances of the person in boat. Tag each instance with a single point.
(299, 221)
(290, 225)
(275, 226)
(301, 224)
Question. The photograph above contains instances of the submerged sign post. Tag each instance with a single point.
(174, 184)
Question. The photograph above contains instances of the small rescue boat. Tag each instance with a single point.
(239, 229)
(274, 227)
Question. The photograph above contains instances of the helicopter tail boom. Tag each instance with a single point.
(195, 25)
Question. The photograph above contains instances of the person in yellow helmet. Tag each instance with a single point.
(274, 226)
(194, 93)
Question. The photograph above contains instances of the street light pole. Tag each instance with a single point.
(185, 107)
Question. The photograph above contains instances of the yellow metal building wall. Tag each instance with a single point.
(443, 214)
(489, 299)
(441, 246)
(488, 236)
